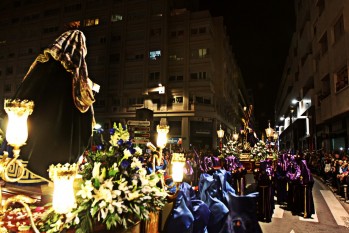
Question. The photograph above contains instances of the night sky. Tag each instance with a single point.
(260, 33)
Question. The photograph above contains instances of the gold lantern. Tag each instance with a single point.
(17, 129)
(177, 162)
(220, 135)
(269, 131)
(63, 176)
(235, 135)
(16, 134)
(162, 129)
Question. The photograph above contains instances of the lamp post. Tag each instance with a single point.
(220, 134)
(291, 124)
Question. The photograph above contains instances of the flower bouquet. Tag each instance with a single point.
(115, 187)
(113, 190)
(232, 148)
(262, 151)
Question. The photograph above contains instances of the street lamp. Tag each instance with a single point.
(291, 124)
(220, 134)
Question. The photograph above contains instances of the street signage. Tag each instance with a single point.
(174, 140)
(138, 128)
(139, 123)
(142, 134)
(140, 131)
(140, 140)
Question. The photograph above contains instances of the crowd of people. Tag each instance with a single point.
(288, 180)
(332, 169)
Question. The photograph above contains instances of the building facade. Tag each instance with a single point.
(163, 56)
(315, 78)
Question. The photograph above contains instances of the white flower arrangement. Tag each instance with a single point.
(115, 189)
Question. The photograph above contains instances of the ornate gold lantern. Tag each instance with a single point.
(269, 131)
(235, 135)
(63, 176)
(177, 162)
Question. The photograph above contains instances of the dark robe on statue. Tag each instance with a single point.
(61, 123)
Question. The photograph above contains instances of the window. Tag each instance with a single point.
(155, 55)
(202, 100)
(91, 22)
(203, 53)
(199, 76)
(341, 79)
(103, 40)
(134, 56)
(326, 86)
(200, 53)
(338, 29)
(199, 30)
(135, 101)
(116, 18)
(155, 32)
(323, 44)
(175, 78)
(178, 34)
(115, 38)
(154, 76)
(176, 100)
(176, 55)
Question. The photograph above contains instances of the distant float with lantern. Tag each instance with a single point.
(247, 147)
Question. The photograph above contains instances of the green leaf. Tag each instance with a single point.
(96, 183)
(94, 210)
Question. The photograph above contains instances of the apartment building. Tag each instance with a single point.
(313, 96)
(134, 47)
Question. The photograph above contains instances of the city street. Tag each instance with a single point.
(331, 215)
